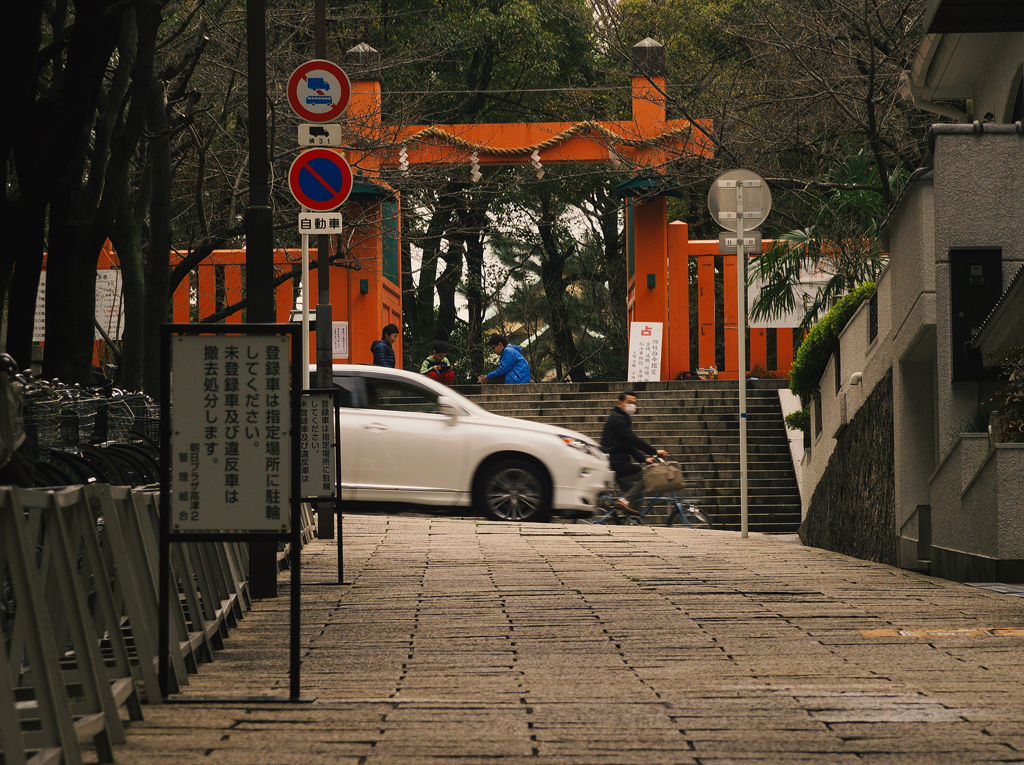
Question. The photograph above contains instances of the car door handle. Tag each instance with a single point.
(376, 426)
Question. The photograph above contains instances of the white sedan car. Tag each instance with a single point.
(408, 439)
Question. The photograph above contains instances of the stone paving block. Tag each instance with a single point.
(465, 641)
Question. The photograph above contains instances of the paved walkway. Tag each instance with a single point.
(468, 642)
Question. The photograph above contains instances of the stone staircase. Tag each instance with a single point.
(696, 423)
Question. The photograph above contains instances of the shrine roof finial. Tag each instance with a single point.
(649, 58)
(362, 63)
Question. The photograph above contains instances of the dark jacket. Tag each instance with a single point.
(619, 441)
(383, 353)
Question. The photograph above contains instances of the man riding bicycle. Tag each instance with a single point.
(621, 444)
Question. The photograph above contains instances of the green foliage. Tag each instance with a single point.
(822, 341)
(975, 422)
(800, 420)
(840, 243)
(1009, 401)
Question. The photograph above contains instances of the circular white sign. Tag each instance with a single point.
(319, 91)
(757, 198)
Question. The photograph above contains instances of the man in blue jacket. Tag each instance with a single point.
(512, 367)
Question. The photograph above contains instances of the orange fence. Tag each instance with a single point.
(218, 282)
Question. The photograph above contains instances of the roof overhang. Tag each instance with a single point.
(366, 191)
(958, 35)
(966, 16)
(649, 186)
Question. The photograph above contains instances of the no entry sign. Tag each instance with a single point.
(320, 179)
(319, 91)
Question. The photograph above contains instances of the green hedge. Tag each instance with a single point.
(822, 341)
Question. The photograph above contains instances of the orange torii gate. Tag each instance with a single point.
(648, 142)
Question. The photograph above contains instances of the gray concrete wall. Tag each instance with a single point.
(979, 202)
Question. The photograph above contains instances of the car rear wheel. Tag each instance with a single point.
(515, 490)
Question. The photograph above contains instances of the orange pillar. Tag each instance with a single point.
(706, 310)
(650, 239)
(374, 292)
(784, 350)
(677, 335)
(729, 318)
(758, 349)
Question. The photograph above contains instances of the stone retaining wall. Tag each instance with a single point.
(852, 510)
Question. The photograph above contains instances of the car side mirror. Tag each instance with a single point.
(446, 407)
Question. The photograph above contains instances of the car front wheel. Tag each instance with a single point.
(515, 490)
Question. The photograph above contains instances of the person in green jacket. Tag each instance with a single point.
(436, 366)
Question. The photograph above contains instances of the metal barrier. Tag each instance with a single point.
(78, 616)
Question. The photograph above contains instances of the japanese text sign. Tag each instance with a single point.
(230, 433)
(316, 446)
(644, 351)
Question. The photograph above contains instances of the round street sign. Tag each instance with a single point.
(320, 179)
(318, 91)
(757, 199)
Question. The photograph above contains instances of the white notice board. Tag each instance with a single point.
(316, 446)
(230, 433)
(644, 351)
(109, 306)
(339, 339)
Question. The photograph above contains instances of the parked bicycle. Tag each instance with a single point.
(72, 435)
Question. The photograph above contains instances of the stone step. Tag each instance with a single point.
(697, 423)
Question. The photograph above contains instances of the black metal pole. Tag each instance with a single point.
(325, 319)
(164, 571)
(296, 541)
(259, 256)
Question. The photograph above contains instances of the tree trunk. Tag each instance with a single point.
(473, 221)
(552, 272)
(126, 236)
(157, 266)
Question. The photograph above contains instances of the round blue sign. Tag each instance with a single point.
(320, 179)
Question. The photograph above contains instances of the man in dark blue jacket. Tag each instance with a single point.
(621, 445)
(512, 367)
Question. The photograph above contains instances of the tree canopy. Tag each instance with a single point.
(128, 121)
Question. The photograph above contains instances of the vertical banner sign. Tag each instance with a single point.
(644, 351)
(230, 434)
(316, 445)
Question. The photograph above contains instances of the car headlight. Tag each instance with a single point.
(580, 445)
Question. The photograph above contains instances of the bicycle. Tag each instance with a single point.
(681, 510)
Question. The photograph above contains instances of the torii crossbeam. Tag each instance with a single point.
(647, 144)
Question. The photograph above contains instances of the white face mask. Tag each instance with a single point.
(630, 409)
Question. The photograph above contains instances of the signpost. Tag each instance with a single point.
(319, 135)
(320, 179)
(319, 91)
(320, 453)
(229, 459)
(739, 201)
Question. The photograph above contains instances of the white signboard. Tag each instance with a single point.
(804, 293)
(339, 340)
(109, 306)
(320, 135)
(230, 433)
(644, 351)
(320, 223)
(316, 446)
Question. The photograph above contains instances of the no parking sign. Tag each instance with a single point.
(320, 179)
